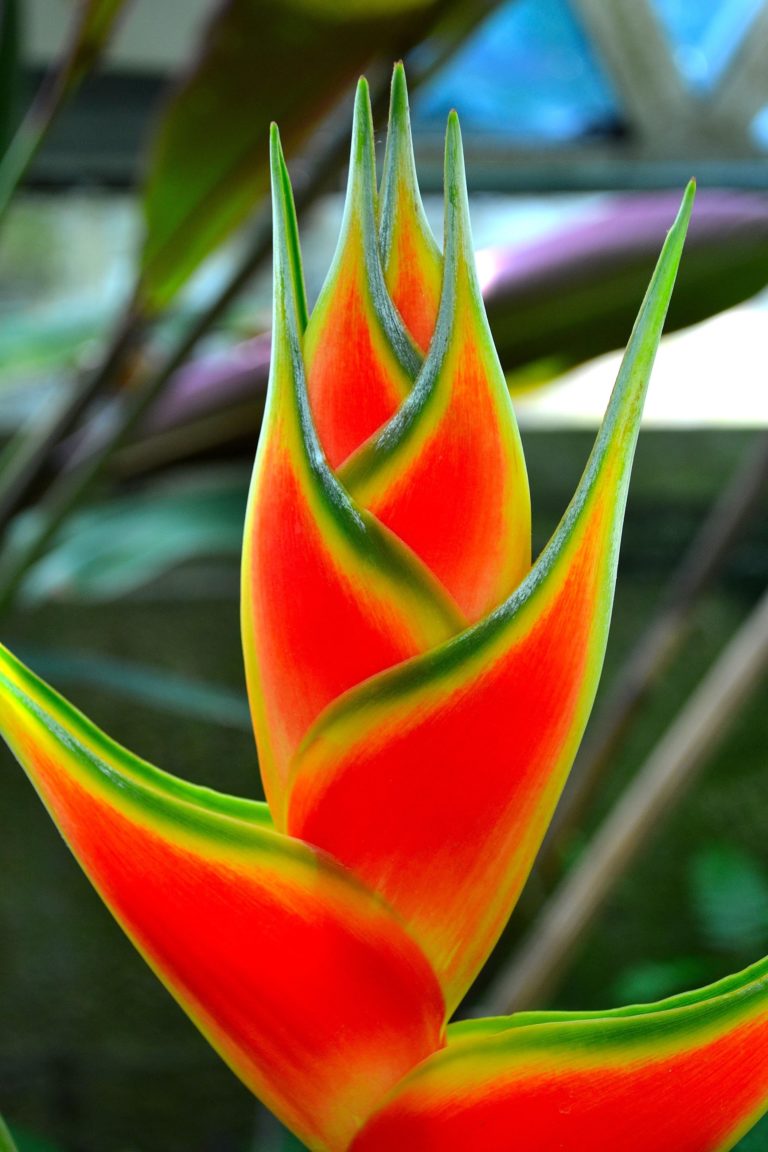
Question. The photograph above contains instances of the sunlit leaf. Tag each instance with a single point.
(6, 1140)
(730, 899)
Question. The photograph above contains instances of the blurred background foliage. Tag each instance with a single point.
(134, 349)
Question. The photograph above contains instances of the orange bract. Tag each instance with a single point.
(418, 691)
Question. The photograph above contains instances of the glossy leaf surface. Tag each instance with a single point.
(435, 781)
(687, 1075)
(294, 972)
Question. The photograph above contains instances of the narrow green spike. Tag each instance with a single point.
(399, 181)
(459, 249)
(362, 198)
(285, 230)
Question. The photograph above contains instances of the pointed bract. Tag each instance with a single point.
(302, 980)
(687, 1075)
(329, 596)
(416, 715)
(435, 781)
(447, 473)
(360, 360)
(413, 266)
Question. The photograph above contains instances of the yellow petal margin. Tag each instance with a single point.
(447, 473)
(359, 357)
(689, 1074)
(413, 266)
(329, 595)
(303, 981)
(435, 781)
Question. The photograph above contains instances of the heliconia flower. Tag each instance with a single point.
(418, 691)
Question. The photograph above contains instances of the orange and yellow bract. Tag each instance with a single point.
(418, 688)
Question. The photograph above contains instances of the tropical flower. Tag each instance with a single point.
(418, 692)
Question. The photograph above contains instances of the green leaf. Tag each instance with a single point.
(151, 686)
(27, 1142)
(730, 899)
(117, 547)
(260, 60)
(654, 979)
(94, 23)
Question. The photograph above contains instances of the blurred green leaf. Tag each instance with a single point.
(260, 60)
(729, 893)
(92, 26)
(9, 70)
(153, 687)
(117, 547)
(651, 980)
(95, 23)
(51, 339)
(26, 1142)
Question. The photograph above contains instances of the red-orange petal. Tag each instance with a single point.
(359, 358)
(435, 781)
(413, 266)
(686, 1075)
(303, 981)
(447, 473)
(329, 596)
